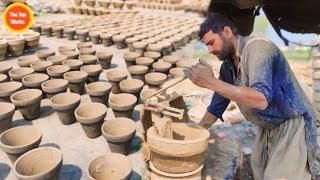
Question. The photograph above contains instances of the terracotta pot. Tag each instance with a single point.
(65, 104)
(3, 49)
(106, 39)
(7, 89)
(3, 78)
(152, 54)
(66, 48)
(16, 45)
(110, 166)
(32, 41)
(54, 86)
(19, 140)
(41, 66)
(163, 67)
(34, 80)
(122, 104)
(88, 59)
(99, 92)
(138, 72)
(57, 60)
(155, 79)
(74, 64)
(119, 40)
(119, 133)
(131, 86)
(58, 31)
(184, 153)
(130, 58)
(105, 58)
(6, 113)
(27, 60)
(91, 117)
(95, 37)
(46, 30)
(115, 76)
(70, 33)
(5, 68)
(145, 94)
(71, 54)
(140, 47)
(93, 72)
(171, 59)
(39, 163)
(44, 54)
(19, 73)
(145, 61)
(57, 71)
(82, 35)
(76, 80)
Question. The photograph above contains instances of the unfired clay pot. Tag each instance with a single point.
(145, 94)
(19, 73)
(163, 67)
(91, 117)
(131, 86)
(70, 33)
(87, 51)
(71, 54)
(184, 153)
(88, 59)
(58, 31)
(34, 80)
(155, 47)
(7, 89)
(46, 30)
(83, 35)
(145, 61)
(186, 63)
(16, 45)
(39, 163)
(115, 76)
(140, 47)
(6, 113)
(122, 104)
(3, 78)
(76, 81)
(27, 60)
(57, 60)
(177, 72)
(130, 42)
(155, 79)
(138, 72)
(99, 92)
(32, 41)
(74, 64)
(152, 54)
(65, 104)
(119, 133)
(19, 140)
(44, 54)
(54, 86)
(105, 58)
(119, 41)
(110, 166)
(3, 49)
(130, 58)
(66, 48)
(95, 37)
(171, 59)
(41, 66)
(106, 39)
(5, 68)
(57, 71)
(28, 102)
(93, 71)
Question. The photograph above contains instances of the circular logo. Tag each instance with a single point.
(17, 17)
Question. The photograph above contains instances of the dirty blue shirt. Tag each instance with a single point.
(264, 68)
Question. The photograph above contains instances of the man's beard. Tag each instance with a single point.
(227, 50)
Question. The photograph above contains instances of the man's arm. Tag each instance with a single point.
(207, 120)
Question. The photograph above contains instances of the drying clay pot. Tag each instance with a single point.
(41, 66)
(93, 72)
(54, 86)
(70, 33)
(16, 45)
(155, 79)
(57, 71)
(66, 48)
(3, 78)
(39, 163)
(19, 140)
(88, 59)
(106, 39)
(7, 89)
(87, 51)
(177, 72)
(145, 61)
(84, 45)
(74, 64)
(167, 47)
(6, 113)
(152, 54)
(90, 3)
(130, 42)
(71, 54)
(19, 73)
(105, 58)
(28, 102)
(32, 41)
(184, 153)
(163, 67)
(82, 34)
(131, 86)
(76, 81)
(36, 27)
(27, 60)
(155, 47)
(119, 133)
(186, 64)
(140, 47)
(3, 49)
(65, 104)
(110, 166)
(115, 76)
(130, 58)
(91, 117)
(138, 72)
(95, 37)
(119, 41)
(145, 94)
(99, 92)
(171, 59)
(58, 31)
(46, 30)
(44, 54)
(34, 80)
(78, 2)
(57, 60)
(5, 68)
(122, 104)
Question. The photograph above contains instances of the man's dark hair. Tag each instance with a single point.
(216, 22)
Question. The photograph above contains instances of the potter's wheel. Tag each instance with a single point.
(192, 174)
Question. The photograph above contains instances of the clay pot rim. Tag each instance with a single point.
(99, 116)
(116, 75)
(138, 69)
(104, 54)
(25, 61)
(7, 111)
(68, 61)
(92, 69)
(14, 75)
(186, 63)
(130, 56)
(144, 61)
(104, 88)
(57, 58)
(57, 151)
(74, 98)
(176, 71)
(17, 86)
(82, 76)
(70, 53)
(5, 67)
(84, 45)
(64, 68)
(118, 38)
(39, 77)
(12, 41)
(45, 53)
(50, 89)
(39, 65)
(66, 48)
(140, 45)
(134, 89)
(87, 51)
(130, 129)
(152, 54)
(170, 59)
(31, 99)
(150, 79)
(143, 95)
(161, 66)
(3, 77)
(88, 59)
(131, 100)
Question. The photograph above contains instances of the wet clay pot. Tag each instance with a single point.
(70, 33)
(182, 154)
(7, 89)
(57, 71)
(122, 104)
(153, 54)
(3, 78)
(99, 92)
(171, 59)
(6, 113)
(39, 163)
(115, 76)
(34, 80)
(177, 72)
(145, 61)
(84, 45)
(93, 72)
(57, 60)
(16, 45)
(145, 94)
(27, 60)
(58, 31)
(87, 51)
(105, 58)
(65, 104)
(131, 86)
(119, 41)
(106, 39)
(163, 67)
(82, 35)
(186, 64)
(91, 117)
(88, 59)
(76, 80)
(130, 58)
(54, 86)
(3, 49)
(66, 48)
(71, 54)
(155, 79)
(32, 41)
(19, 73)
(119, 133)
(5, 68)
(110, 166)
(28, 102)
(73, 64)
(140, 47)
(138, 72)
(44, 54)
(19, 140)
(41, 66)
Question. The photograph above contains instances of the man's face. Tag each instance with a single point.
(218, 45)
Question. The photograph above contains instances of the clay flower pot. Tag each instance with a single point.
(28, 102)
(32, 41)
(163, 67)
(3, 49)
(105, 58)
(122, 104)
(46, 30)
(65, 104)
(115, 76)
(19, 140)
(177, 72)
(76, 80)
(44, 54)
(138, 72)
(19, 73)
(110, 166)
(70, 33)
(88, 59)
(5, 68)
(54, 86)
(145, 94)
(155, 47)
(7, 89)
(3, 78)
(58, 31)
(74, 64)
(34, 80)
(93, 72)
(36, 27)
(57, 60)
(27, 60)
(119, 133)
(82, 34)
(186, 64)
(16, 45)
(131, 86)
(71, 54)
(66, 48)
(152, 54)
(57, 71)
(6, 113)
(87, 51)
(106, 39)
(140, 47)
(145, 61)
(167, 47)
(39, 163)
(119, 41)
(130, 42)
(171, 59)
(41, 66)
(155, 79)
(130, 58)
(91, 117)
(95, 37)
(99, 92)
(84, 45)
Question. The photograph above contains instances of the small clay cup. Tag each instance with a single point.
(145, 61)
(54, 86)
(155, 79)
(91, 117)
(7, 89)
(5, 68)
(115, 76)
(105, 58)
(27, 60)
(6, 113)
(162, 67)
(19, 73)
(119, 41)
(34, 80)
(76, 81)
(88, 59)
(87, 51)
(130, 58)
(71, 54)
(93, 71)
(74, 64)
(131, 86)
(138, 72)
(122, 104)
(152, 54)
(57, 60)
(44, 54)
(41, 66)
(57, 71)
(99, 92)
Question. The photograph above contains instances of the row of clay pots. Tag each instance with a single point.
(172, 7)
